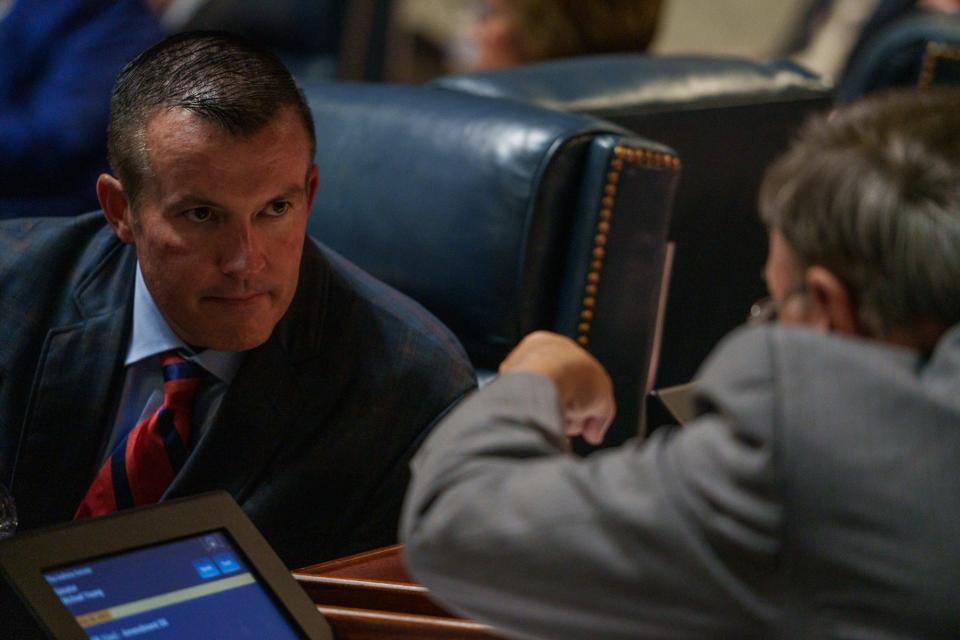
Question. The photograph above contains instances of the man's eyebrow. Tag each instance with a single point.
(189, 201)
(290, 192)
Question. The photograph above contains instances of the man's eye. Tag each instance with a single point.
(278, 208)
(200, 214)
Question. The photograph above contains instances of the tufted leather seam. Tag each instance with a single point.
(935, 52)
(622, 154)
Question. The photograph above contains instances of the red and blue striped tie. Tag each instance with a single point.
(145, 462)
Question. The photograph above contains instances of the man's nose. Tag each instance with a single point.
(243, 252)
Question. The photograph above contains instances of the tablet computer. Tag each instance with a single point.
(189, 568)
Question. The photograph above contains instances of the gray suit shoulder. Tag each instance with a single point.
(737, 380)
(755, 369)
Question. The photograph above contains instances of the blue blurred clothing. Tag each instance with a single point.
(59, 62)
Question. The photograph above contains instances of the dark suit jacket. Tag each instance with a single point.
(313, 437)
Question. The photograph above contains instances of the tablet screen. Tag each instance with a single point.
(196, 587)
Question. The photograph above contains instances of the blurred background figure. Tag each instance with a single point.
(834, 35)
(58, 63)
(826, 33)
(429, 38)
(305, 34)
(514, 32)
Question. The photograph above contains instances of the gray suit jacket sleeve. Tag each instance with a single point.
(675, 537)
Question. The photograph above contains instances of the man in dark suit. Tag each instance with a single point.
(310, 383)
(815, 495)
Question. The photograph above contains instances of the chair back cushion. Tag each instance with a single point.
(727, 118)
(499, 217)
(920, 49)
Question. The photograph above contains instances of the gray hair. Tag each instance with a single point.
(872, 193)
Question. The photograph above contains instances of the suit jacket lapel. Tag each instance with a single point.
(256, 413)
(72, 402)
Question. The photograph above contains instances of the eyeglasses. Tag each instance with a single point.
(768, 310)
(763, 310)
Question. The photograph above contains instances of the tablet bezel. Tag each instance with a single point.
(25, 557)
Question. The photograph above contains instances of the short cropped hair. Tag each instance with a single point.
(872, 193)
(562, 28)
(223, 78)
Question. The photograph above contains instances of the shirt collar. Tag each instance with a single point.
(152, 335)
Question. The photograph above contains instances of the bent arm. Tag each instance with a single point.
(677, 537)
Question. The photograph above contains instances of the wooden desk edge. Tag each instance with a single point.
(349, 561)
(372, 617)
(369, 583)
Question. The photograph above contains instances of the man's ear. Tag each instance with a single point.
(313, 180)
(116, 207)
(832, 308)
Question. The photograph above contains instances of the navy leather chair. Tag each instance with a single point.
(727, 118)
(920, 49)
(500, 218)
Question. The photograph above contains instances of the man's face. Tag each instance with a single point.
(220, 224)
(784, 278)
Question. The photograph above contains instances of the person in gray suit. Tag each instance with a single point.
(816, 495)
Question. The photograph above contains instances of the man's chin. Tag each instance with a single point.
(230, 339)
(237, 343)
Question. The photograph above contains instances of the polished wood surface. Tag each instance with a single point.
(366, 624)
(370, 595)
(376, 594)
(385, 563)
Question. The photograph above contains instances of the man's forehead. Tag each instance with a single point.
(176, 131)
(183, 124)
(780, 246)
(185, 154)
(783, 264)
(180, 127)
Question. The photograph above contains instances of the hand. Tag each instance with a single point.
(585, 389)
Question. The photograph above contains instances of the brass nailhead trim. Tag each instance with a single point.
(621, 155)
(935, 52)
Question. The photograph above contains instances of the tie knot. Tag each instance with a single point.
(175, 367)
